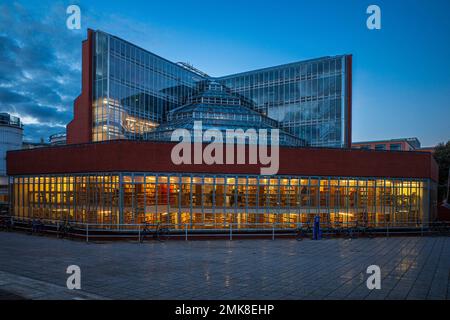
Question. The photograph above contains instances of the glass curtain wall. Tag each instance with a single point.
(307, 98)
(215, 201)
(133, 89)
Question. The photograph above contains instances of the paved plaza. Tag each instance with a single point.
(34, 267)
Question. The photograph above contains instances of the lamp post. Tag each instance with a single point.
(448, 188)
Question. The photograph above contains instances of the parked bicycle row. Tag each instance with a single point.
(161, 232)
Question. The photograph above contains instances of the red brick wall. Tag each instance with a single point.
(79, 130)
(156, 157)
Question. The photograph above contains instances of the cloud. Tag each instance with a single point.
(7, 96)
(40, 73)
(40, 59)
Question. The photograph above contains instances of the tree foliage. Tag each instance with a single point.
(442, 156)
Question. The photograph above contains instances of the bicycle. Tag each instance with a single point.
(302, 232)
(6, 224)
(440, 229)
(338, 229)
(366, 231)
(162, 234)
(36, 227)
(328, 230)
(351, 232)
(64, 230)
(144, 232)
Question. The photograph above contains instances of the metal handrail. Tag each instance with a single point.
(226, 225)
(93, 230)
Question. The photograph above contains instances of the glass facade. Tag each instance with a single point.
(308, 98)
(134, 90)
(214, 201)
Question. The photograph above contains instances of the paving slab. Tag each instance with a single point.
(34, 267)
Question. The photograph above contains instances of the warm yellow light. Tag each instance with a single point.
(196, 180)
(346, 214)
(150, 179)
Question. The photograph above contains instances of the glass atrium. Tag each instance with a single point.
(216, 107)
(135, 91)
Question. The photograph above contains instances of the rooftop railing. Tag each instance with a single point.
(7, 119)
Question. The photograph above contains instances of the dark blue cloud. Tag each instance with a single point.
(40, 72)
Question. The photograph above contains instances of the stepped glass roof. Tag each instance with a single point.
(219, 108)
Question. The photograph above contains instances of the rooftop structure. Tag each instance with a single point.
(401, 144)
(11, 136)
(127, 92)
(58, 138)
(217, 107)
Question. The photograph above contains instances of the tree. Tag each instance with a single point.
(442, 156)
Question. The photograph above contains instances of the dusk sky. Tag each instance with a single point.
(401, 73)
